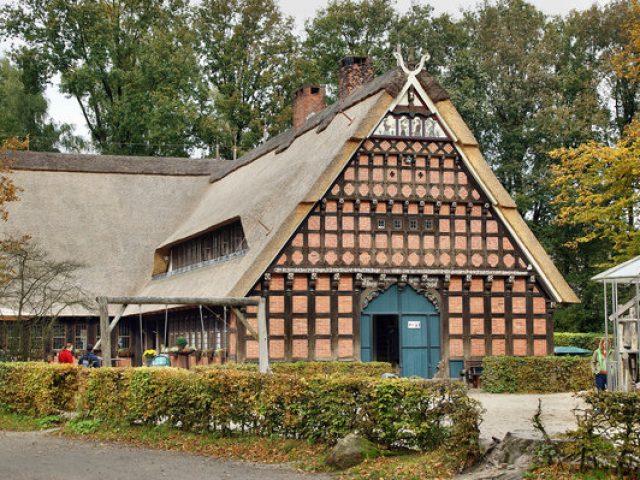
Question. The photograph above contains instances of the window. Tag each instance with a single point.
(80, 340)
(397, 224)
(413, 224)
(13, 338)
(124, 336)
(36, 341)
(428, 224)
(381, 223)
(410, 125)
(215, 245)
(59, 336)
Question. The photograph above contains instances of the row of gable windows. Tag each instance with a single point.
(410, 126)
(215, 245)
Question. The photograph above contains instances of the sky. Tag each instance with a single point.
(63, 109)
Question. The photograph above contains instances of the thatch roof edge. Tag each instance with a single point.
(122, 164)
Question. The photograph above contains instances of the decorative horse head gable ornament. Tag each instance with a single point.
(401, 63)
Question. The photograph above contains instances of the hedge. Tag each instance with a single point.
(39, 388)
(396, 413)
(588, 341)
(608, 433)
(536, 374)
(310, 369)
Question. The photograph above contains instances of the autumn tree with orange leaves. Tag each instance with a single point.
(599, 190)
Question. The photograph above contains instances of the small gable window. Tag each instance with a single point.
(410, 125)
(216, 245)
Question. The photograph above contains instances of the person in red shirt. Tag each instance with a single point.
(65, 356)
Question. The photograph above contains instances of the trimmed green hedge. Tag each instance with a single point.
(405, 413)
(39, 388)
(588, 341)
(536, 374)
(310, 369)
(413, 414)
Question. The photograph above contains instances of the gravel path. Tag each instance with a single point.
(38, 456)
(513, 412)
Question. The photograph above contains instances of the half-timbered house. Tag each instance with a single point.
(374, 228)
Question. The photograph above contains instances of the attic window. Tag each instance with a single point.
(411, 126)
(216, 245)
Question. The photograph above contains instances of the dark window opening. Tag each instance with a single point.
(381, 223)
(413, 224)
(428, 224)
(124, 336)
(397, 224)
(59, 336)
(213, 245)
(386, 339)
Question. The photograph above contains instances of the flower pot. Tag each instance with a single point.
(123, 361)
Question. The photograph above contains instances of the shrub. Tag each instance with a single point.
(536, 374)
(608, 433)
(413, 414)
(588, 341)
(38, 388)
(310, 369)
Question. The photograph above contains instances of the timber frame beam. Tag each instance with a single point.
(233, 302)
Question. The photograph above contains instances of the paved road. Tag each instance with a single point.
(37, 456)
(513, 412)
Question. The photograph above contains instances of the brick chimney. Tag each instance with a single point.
(306, 101)
(354, 72)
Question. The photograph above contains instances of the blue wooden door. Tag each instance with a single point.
(419, 324)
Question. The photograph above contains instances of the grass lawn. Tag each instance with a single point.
(299, 454)
(15, 422)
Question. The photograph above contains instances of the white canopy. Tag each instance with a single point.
(626, 272)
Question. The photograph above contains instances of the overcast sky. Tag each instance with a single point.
(66, 110)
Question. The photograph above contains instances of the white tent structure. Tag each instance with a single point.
(622, 298)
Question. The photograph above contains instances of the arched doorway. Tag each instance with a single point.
(402, 327)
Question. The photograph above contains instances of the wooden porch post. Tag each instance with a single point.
(105, 333)
(263, 341)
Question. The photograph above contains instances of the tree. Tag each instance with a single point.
(248, 50)
(36, 289)
(599, 190)
(8, 190)
(343, 28)
(24, 107)
(130, 65)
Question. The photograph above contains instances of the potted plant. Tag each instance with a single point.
(181, 343)
(124, 357)
(125, 353)
(149, 355)
(219, 353)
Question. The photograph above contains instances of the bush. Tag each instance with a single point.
(536, 374)
(396, 413)
(38, 388)
(311, 369)
(608, 433)
(588, 341)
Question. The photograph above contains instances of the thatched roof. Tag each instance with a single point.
(104, 212)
